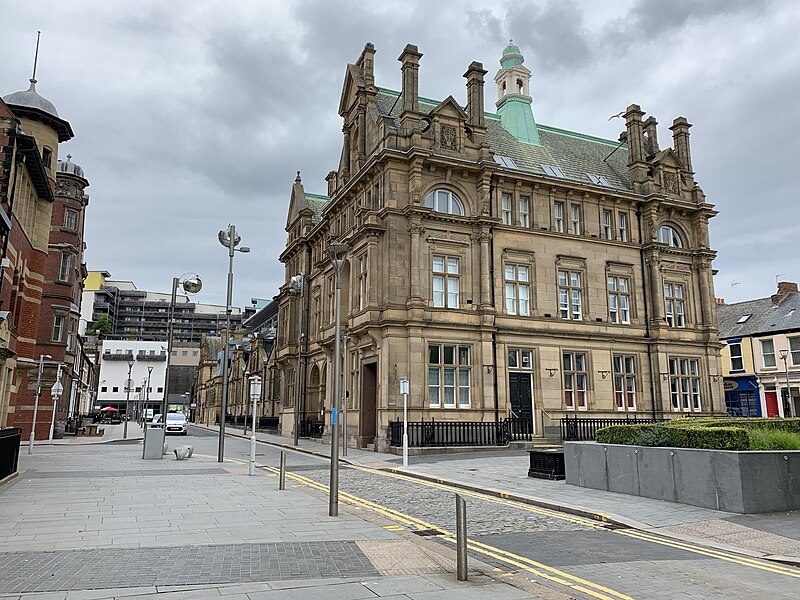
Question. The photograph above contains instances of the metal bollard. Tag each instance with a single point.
(461, 538)
(282, 477)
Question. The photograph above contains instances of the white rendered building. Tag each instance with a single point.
(145, 359)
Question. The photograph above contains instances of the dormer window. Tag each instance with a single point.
(667, 235)
(444, 201)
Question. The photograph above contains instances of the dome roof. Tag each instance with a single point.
(31, 99)
(511, 56)
(67, 166)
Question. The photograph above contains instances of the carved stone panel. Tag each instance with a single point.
(448, 135)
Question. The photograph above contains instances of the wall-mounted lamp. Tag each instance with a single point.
(604, 374)
(664, 376)
(552, 372)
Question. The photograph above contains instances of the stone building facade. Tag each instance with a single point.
(504, 267)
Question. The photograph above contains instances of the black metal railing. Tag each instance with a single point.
(575, 429)
(267, 423)
(438, 434)
(9, 451)
(312, 428)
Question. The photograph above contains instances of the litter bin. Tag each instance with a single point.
(153, 442)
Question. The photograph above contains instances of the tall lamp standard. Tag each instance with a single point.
(191, 284)
(128, 385)
(297, 284)
(55, 395)
(230, 239)
(785, 358)
(337, 253)
(36, 402)
(147, 389)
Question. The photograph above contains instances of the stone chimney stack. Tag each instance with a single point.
(474, 76)
(651, 130)
(637, 167)
(680, 141)
(410, 61)
(784, 289)
(367, 63)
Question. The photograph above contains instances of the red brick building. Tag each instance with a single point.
(30, 131)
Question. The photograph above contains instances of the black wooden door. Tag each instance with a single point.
(521, 395)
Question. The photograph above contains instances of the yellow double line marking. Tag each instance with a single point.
(539, 569)
(632, 533)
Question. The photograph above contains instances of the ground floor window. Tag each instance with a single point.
(742, 404)
(449, 376)
(684, 382)
(625, 382)
(575, 379)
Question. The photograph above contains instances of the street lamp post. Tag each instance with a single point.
(228, 238)
(337, 254)
(55, 395)
(128, 384)
(191, 284)
(36, 402)
(255, 392)
(298, 286)
(785, 358)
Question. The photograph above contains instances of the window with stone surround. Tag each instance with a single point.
(505, 209)
(65, 268)
(624, 382)
(576, 374)
(517, 289)
(570, 292)
(446, 281)
(362, 282)
(58, 328)
(71, 219)
(684, 383)
(449, 376)
(575, 218)
(445, 201)
(768, 353)
(619, 300)
(608, 227)
(674, 304)
(622, 224)
(558, 216)
(524, 211)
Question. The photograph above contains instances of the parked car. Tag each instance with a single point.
(176, 423)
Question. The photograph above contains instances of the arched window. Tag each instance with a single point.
(445, 202)
(668, 235)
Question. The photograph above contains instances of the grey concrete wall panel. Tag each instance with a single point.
(742, 482)
(622, 469)
(592, 467)
(571, 462)
(691, 469)
(655, 473)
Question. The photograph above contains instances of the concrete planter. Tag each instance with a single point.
(740, 482)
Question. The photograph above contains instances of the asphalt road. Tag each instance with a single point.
(540, 544)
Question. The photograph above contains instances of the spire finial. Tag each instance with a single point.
(69, 156)
(297, 179)
(36, 57)
(510, 42)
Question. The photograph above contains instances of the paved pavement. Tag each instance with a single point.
(88, 521)
(505, 472)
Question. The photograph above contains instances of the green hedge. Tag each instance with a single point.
(676, 436)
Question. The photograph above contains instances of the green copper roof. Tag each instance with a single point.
(512, 56)
(516, 117)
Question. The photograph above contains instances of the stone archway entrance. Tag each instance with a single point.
(368, 411)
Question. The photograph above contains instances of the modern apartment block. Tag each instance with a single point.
(137, 314)
(506, 268)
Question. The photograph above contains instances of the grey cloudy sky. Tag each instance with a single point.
(191, 114)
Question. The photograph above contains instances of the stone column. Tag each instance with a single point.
(657, 296)
(706, 296)
(486, 280)
(415, 229)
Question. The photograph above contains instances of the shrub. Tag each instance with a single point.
(622, 434)
(773, 439)
(676, 436)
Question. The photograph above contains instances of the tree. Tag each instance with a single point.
(101, 327)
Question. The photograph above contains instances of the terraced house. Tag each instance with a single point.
(506, 268)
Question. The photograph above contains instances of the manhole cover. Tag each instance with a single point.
(428, 532)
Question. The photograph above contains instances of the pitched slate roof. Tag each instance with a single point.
(576, 154)
(765, 318)
(317, 202)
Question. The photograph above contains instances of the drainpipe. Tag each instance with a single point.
(492, 296)
(645, 284)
